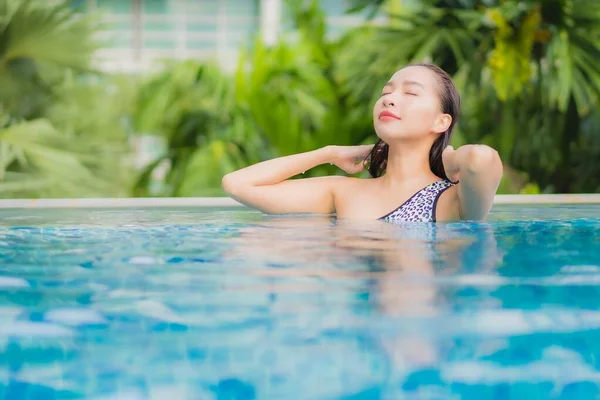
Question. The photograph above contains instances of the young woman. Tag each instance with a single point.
(417, 175)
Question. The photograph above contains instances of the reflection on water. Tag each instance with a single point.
(237, 305)
(400, 265)
(397, 267)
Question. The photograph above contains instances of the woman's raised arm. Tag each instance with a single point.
(265, 186)
(478, 169)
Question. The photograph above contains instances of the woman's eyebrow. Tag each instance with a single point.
(407, 83)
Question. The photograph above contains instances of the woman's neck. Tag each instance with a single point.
(408, 163)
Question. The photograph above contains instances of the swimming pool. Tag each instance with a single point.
(193, 303)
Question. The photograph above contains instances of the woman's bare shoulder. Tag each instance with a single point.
(351, 194)
(350, 183)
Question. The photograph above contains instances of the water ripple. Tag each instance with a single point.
(197, 303)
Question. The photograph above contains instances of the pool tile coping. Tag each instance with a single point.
(138, 202)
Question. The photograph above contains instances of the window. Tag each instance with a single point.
(160, 27)
(115, 6)
(202, 8)
(155, 6)
(138, 31)
(240, 8)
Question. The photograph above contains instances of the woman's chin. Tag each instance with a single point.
(388, 135)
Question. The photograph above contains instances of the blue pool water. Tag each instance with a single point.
(230, 304)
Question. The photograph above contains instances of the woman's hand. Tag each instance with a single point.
(350, 158)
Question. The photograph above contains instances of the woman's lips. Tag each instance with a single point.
(388, 115)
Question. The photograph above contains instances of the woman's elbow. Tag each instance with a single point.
(484, 159)
(230, 185)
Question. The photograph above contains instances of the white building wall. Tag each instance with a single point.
(140, 32)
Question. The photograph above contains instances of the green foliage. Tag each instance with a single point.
(527, 72)
(38, 42)
(509, 61)
(280, 100)
(61, 132)
(191, 105)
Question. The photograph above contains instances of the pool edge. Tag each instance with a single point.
(129, 202)
(132, 202)
(583, 198)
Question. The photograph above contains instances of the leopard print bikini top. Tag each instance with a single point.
(420, 207)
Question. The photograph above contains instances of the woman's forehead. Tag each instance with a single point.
(414, 73)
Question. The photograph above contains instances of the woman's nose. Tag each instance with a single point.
(388, 103)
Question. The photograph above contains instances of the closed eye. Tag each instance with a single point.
(384, 94)
(411, 94)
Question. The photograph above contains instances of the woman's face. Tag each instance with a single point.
(409, 107)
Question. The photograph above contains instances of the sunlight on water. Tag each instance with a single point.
(232, 304)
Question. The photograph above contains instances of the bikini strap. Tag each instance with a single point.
(427, 197)
(448, 184)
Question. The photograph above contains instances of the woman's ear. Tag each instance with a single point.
(442, 123)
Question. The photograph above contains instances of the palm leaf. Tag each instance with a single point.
(70, 164)
(46, 34)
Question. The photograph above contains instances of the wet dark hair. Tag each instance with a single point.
(376, 161)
